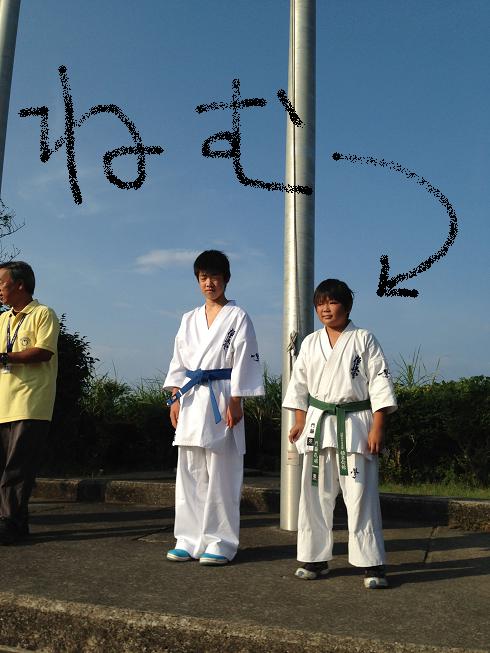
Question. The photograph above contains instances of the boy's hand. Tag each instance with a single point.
(295, 432)
(376, 434)
(375, 440)
(175, 409)
(234, 412)
(298, 427)
(174, 413)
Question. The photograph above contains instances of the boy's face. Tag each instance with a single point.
(212, 285)
(332, 313)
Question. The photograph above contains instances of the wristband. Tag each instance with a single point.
(4, 359)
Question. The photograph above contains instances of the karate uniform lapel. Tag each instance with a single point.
(208, 335)
(327, 378)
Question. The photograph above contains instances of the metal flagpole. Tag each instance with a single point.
(299, 232)
(9, 18)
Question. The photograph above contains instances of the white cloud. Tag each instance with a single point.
(41, 179)
(123, 305)
(176, 314)
(165, 258)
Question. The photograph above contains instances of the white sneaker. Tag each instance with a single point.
(311, 570)
(375, 578)
(213, 559)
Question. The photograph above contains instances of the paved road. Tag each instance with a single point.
(114, 557)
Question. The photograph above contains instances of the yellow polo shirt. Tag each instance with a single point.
(29, 390)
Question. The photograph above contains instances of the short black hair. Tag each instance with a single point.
(334, 289)
(21, 271)
(213, 261)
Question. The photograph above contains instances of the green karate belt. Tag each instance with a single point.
(340, 410)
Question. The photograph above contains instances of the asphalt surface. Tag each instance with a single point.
(88, 564)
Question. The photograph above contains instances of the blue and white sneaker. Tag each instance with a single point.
(178, 555)
(213, 559)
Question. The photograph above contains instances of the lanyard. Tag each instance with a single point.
(10, 343)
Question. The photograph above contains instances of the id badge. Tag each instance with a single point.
(6, 369)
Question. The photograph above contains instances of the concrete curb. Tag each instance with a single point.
(468, 515)
(67, 627)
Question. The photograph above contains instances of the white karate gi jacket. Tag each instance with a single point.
(355, 369)
(229, 342)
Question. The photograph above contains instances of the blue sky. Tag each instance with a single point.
(400, 81)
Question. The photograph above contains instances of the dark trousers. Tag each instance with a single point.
(21, 445)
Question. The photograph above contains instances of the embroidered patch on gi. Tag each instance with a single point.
(354, 472)
(255, 357)
(228, 338)
(310, 442)
(25, 341)
(354, 370)
(312, 428)
(385, 373)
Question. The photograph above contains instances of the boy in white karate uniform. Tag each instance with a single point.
(341, 391)
(215, 363)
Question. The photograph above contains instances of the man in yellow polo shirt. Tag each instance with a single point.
(28, 367)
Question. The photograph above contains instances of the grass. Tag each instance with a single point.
(454, 490)
(412, 373)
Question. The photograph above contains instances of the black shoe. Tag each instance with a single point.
(24, 529)
(375, 578)
(23, 523)
(9, 533)
(311, 570)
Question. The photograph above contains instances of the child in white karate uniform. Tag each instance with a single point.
(341, 391)
(215, 363)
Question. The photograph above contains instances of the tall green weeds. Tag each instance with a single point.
(263, 424)
(117, 428)
(412, 373)
(440, 433)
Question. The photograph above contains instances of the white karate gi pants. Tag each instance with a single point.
(207, 500)
(361, 498)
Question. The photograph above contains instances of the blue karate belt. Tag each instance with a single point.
(200, 377)
(340, 411)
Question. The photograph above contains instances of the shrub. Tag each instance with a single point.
(467, 424)
(75, 370)
(126, 428)
(440, 433)
(263, 425)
